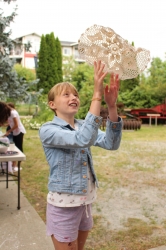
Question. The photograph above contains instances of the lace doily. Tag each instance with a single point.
(119, 56)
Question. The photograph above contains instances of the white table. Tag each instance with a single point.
(17, 157)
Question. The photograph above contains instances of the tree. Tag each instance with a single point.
(25, 73)
(157, 72)
(9, 82)
(85, 96)
(42, 64)
(129, 84)
(68, 66)
(52, 72)
(82, 78)
(11, 86)
(59, 60)
(50, 62)
(151, 89)
(82, 75)
(156, 80)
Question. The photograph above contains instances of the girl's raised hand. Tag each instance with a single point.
(111, 92)
(99, 76)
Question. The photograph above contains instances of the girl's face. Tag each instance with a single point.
(66, 103)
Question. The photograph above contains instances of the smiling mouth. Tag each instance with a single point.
(73, 104)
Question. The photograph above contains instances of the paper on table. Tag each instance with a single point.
(11, 147)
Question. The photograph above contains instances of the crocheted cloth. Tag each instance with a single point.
(119, 56)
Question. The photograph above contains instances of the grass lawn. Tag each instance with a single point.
(138, 166)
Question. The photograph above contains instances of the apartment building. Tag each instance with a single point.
(28, 59)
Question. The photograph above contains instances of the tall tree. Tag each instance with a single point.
(52, 72)
(11, 86)
(50, 62)
(42, 64)
(59, 60)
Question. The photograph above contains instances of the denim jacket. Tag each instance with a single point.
(68, 151)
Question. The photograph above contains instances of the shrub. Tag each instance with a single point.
(28, 74)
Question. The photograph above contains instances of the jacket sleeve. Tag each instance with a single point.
(52, 135)
(110, 139)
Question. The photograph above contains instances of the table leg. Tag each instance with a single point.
(7, 176)
(19, 185)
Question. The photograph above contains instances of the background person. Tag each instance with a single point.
(10, 136)
(66, 142)
(10, 115)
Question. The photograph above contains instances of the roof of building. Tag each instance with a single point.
(64, 43)
(34, 33)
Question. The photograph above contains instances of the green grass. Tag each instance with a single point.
(26, 109)
(138, 158)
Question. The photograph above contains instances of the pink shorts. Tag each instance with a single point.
(65, 222)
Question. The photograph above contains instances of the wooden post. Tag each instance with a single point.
(153, 116)
(156, 120)
(150, 121)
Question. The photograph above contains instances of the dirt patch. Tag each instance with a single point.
(140, 191)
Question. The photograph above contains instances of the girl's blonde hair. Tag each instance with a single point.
(58, 88)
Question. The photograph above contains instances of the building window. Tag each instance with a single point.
(76, 53)
(67, 51)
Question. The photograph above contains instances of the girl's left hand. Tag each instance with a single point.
(111, 92)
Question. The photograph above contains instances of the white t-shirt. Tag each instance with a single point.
(17, 131)
(74, 200)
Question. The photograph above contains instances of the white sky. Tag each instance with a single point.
(141, 21)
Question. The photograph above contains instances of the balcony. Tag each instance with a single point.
(17, 53)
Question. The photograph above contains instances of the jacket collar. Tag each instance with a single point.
(60, 122)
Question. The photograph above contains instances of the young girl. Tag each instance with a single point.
(10, 136)
(66, 142)
(9, 115)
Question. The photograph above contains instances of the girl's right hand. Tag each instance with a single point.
(99, 76)
(98, 88)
